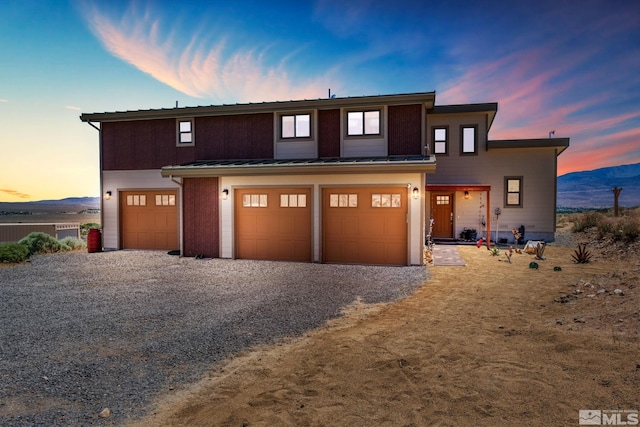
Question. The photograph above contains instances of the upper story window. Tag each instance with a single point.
(362, 123)
(185, 133)
(469, 139)
(513, 191)
(295, 126)
(440, 140)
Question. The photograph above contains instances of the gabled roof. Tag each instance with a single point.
(426, 98)
(488, 108)
(400, 164)
(559, 143)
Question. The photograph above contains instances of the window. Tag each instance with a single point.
(343, 200)
(360, 123)
(385, 200)
(295, 126)
(469, 139)
(185, 132)
(136, 200)
(293, 200)
(254, 200)
(442, 200)
(165, 200)
(513, 191)
(440, 145)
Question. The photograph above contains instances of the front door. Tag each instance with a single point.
(442, 215)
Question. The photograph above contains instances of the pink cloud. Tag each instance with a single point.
(202, 68)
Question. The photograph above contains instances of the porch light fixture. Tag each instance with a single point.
(225, 194)
(107, 195)
(466, 194)
(416, 192)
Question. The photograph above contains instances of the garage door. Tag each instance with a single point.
(365, 225)
(149, 219)
(273, 224)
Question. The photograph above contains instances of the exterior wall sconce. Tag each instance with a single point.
(415, 193)
(466, 194)
(225, 194)
(107, 195)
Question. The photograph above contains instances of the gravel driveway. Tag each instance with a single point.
(81, 332)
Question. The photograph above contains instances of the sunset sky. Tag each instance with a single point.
(568, 66)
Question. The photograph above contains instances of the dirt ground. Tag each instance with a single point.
(489, 344)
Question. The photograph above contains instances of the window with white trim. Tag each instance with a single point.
(362, 123)
(186, 135)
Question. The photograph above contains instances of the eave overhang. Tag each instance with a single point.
(399, 164)
(560, 144)
(424, 98)
(488, 108)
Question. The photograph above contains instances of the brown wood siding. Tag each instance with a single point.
(405, 133)
(245, 136)
(329, 133)
(141, 144)
(151, 144)
(201, 220)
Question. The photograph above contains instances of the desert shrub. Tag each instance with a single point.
(587, 220)
(72, 243)
(13, 252)
(627, 229)
(84, 228)
(39, 243)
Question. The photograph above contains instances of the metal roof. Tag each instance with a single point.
(560, 143)
(391, 164)
(426, 98)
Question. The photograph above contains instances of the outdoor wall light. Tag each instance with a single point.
(416, 192)
(225, 194)
(466, 194)
(107, 195)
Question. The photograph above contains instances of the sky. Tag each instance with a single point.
(572, 67)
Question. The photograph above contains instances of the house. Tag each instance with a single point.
(337, 180)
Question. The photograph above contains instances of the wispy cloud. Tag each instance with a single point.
(73, 108)
(203, 67)
(14, 193)
(4, 100)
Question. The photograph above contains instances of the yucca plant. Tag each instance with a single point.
(582, 255)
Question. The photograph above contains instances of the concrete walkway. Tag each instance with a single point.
(447, 255)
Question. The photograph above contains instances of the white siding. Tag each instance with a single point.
(536, 166)
(116, 181)
(316, 183)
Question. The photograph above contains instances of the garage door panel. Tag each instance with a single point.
(370, 229)
(279, 227)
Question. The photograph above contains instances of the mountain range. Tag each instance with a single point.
(585, 189)
(593, 189)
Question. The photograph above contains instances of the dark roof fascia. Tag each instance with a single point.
(559, 143)
(488, 108)
(426, 98)
(408, 164)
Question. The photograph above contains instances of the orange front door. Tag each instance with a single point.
(442, 215)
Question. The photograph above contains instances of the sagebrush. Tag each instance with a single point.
(13, 252)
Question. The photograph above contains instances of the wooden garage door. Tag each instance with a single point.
(273, 224)
(149, 219)
(365, 225)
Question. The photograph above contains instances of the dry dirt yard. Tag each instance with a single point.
(488, 344)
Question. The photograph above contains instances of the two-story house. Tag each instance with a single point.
(338, 180)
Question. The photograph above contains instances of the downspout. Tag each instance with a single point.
(101, 180)
(180, 213)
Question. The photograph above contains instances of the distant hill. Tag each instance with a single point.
(70, 204)
(593, 189)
